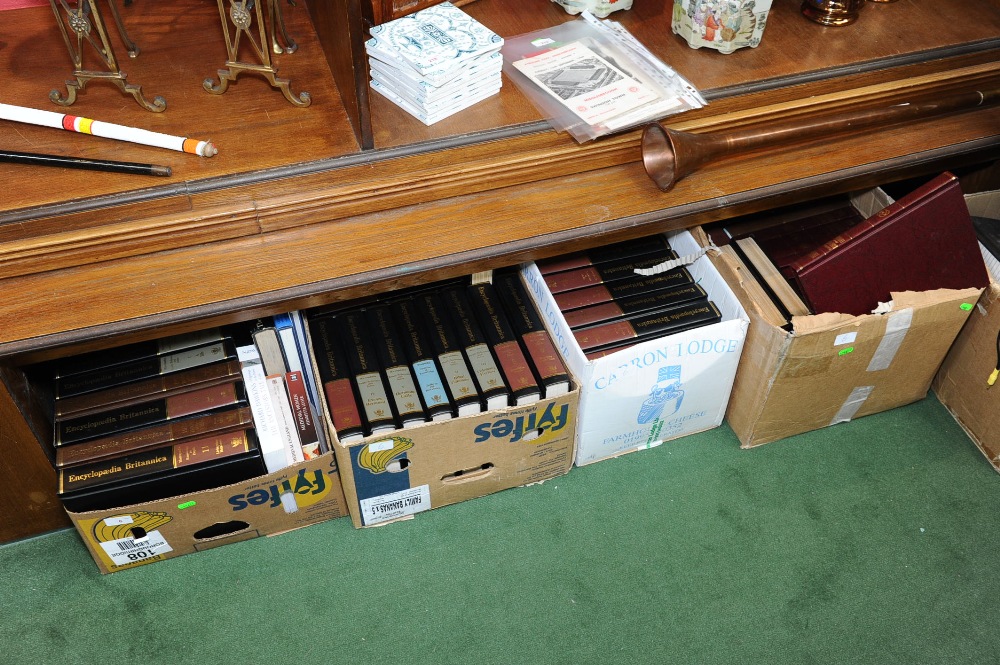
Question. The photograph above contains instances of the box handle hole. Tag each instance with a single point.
(469, 475)
(221, 529)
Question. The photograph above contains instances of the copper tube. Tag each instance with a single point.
(668, 154)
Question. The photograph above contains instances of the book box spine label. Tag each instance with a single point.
(544, 355)
(515, 367)
(343, 406)
(430, 383)
(374, 399)
(485, 368)
(404, 391)
(457, 375)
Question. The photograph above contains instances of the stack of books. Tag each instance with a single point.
(435, 62)
(610, 306)
(434, 353)
(183, 414)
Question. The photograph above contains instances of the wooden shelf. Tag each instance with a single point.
(303, 207)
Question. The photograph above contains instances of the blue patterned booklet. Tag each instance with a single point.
(437, 39)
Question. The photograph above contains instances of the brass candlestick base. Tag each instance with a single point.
(241, 17)
(82, 18)
(832, 12)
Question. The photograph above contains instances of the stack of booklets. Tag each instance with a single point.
(180, 414)
(610, 306)
(434, 353)
(435, 62)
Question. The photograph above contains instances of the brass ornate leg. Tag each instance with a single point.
(241, 15)
(77, 21)
(278, 23)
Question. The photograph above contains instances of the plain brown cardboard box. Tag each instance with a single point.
(962, 382)
(832, 368)
(157, 530)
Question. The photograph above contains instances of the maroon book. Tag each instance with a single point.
(646, 326)
(609, 253)
(623, 288)
(604, 273)
(923, 241)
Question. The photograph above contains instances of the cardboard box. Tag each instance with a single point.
(962, 383)
(660, 389)
(135, 535)
(831, 368)
(391, 476)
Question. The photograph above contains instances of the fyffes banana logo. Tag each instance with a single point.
(309, 487)
(378, 457)
(128, 525)
(537, 427)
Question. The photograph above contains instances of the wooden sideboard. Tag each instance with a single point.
(304, 207)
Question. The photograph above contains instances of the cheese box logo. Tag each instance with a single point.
(535, 427)
(309, 487)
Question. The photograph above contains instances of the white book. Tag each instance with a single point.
(287, 430)
(265, 420)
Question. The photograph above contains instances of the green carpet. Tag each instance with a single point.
(874, 541)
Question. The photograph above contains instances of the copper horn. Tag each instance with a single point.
(668, 154)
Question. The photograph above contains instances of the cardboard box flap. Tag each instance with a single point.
(818, 323)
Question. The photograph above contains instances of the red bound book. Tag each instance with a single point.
(923, 241)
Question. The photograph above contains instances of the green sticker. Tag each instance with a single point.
(965, 306)
(844, 352)
(186, 504)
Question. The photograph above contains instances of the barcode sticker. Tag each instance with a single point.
(395, 504)
(127, 551)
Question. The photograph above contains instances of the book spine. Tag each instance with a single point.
(527, 323)
(461, 385)
(144, 369)
(97, 360)
(156, 460)
(141, 390)
(489, 378)
(157, 435)
(655, 324)
(588, 316)
(425, 368)
(272, 356)
(603, 273)
(609, 253)
(302, 415)
(398, 372)
(287, 429)
(366, 374)
(504, 344)
(595, 295)
(335, 377)
(148, 413)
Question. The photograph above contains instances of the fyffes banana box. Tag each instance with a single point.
(394, 475)
(294, 497)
